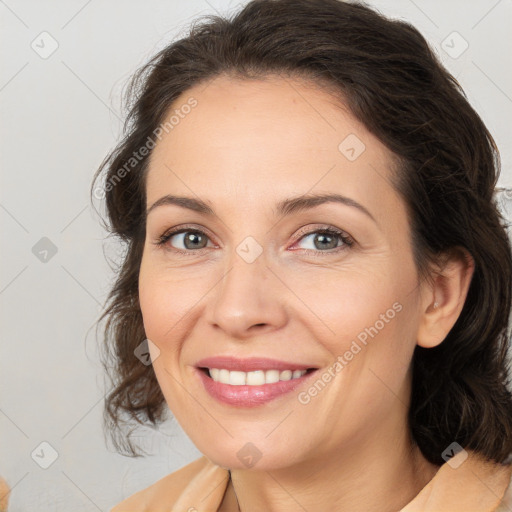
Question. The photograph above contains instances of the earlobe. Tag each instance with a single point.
(446, 296)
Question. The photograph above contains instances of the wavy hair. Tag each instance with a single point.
(447, 168)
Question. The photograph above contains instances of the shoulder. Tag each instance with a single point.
(199, 485)
(466, 482)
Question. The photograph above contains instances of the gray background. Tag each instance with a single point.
(60, 114)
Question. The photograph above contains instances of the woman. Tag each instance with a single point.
(316, 266)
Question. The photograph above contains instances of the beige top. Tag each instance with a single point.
(475, 486)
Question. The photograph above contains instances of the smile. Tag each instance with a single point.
(250, 382)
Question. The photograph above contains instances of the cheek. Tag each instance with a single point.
(348, 304)
(154, 299)
(166, 298)
(163, 309)
(369, 321)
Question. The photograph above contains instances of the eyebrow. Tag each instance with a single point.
(285, 207)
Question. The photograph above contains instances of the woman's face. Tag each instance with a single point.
(263, 279)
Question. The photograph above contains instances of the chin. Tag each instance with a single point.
(249, 456)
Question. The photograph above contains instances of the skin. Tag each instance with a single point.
(247, 145)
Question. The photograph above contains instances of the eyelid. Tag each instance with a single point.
(164, 238)
(347, 239)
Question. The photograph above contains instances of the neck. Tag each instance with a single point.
(379, 476)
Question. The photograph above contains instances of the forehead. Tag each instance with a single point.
(263, 140)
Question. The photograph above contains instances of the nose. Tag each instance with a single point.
(249, 300)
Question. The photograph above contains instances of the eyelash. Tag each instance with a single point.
(347, 240)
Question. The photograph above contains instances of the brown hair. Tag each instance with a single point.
(448, 165)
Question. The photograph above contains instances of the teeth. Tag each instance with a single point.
(237, 378)
(255, 378)
(271, 376)
(286, 375)
(224, 376)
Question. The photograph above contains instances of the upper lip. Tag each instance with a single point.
(249, 364)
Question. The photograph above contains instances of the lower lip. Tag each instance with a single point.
(249, 396)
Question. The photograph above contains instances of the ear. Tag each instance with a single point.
(444, 296)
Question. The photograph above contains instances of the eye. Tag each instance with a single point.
(326, 240)
(184, 240)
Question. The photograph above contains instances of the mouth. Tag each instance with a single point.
(250, 382)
